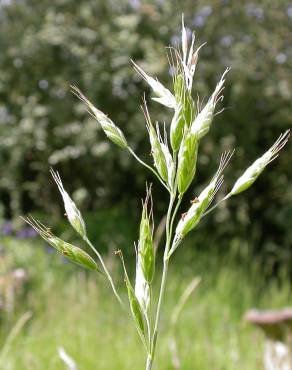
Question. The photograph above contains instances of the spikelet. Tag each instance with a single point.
(184, 112)
(253, 172)
(163, 95)
(109, 128)
(203, 121)
(167, 156)
(73, 253)
(185, 109)
(207, 195)
(72, 212)
(187, 161)
(142, 289)
(193, 216)
(189, 57)
(157, 151)
(146, 255)
(135, 307)
(176, 129)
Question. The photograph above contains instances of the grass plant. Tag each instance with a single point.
(175, 149)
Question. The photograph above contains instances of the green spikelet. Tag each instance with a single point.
(187, 161)
(160, 161)
(133, 301)
(73, 253)
(145, 247)
(110, 129)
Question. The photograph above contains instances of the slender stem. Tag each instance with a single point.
(170, 249)
(174, 245)
(175, 212)
(150, 313)
(148, 329)
(105, 270)
(148, 167)
(149, 362)
(150, 357)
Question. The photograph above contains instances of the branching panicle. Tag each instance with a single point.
(175, 167)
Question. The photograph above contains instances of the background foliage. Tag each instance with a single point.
(46, 46)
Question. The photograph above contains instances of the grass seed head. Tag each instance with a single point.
(252, 173)
(156, 142)
(142, 289)
(177, 129)
(203, 121)
(193, 216)
(187, 161)
(73, 253)
(109, 128)
(184, 112)
(167, 155)
(72, 212)
(189, 57)
(135, 307)
(163, 95)
(145, 253)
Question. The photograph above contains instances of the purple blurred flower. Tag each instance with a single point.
(26, 233)
(281, 58)
(49, 249)
(199, 21)
(226, 40)
(7, 228)
(206, 11)
(201, 16)
(175, 40)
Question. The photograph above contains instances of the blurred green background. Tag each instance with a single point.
(46, 46)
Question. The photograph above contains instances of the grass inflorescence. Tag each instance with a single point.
(175, 148)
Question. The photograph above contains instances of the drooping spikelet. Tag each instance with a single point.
(163, 95)
(110, 129)
(193, 216)
(135, 307)
(73, 253)
(253, 172)
(72, 212)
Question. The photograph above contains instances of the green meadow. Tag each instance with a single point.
(73, 309)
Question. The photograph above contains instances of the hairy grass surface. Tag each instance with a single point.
(73, 309)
